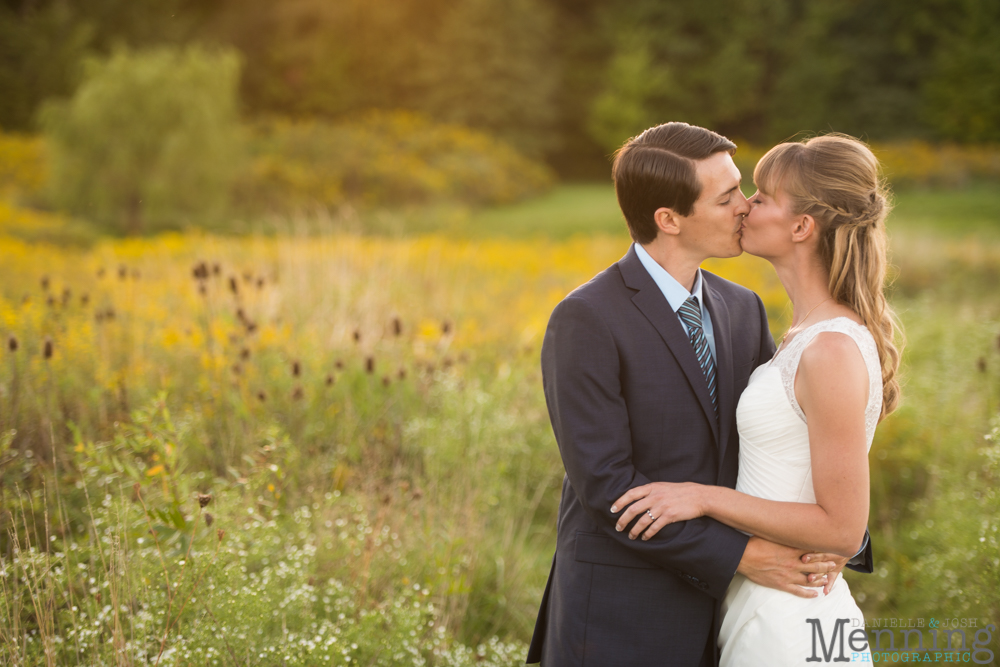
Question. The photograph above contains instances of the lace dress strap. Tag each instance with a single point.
(787, 363)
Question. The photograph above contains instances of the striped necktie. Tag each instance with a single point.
(690, 314)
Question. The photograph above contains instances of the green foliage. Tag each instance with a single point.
(567, 81)
(934, 477)
(963, 91)
(44, 42)
(149, 140)
(490, 70)
(625, 107)
(39, 51)
(383, 159)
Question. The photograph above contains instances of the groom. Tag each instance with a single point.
(642, 369)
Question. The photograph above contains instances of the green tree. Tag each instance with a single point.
(491, 68)
(149, 139)
(963, 88)
(43, 42)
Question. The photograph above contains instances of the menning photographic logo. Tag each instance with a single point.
(946, 642)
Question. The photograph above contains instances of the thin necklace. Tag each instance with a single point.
(803, 320)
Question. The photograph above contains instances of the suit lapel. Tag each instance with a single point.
(721, 328)
(651, 302)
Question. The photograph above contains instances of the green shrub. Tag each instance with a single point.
(149, 139)
(382, 159)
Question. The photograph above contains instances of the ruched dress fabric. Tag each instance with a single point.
(762, 626)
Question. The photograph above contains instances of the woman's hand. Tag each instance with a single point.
(659, 504)
(838, 562)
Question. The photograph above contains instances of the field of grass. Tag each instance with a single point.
(333, 449)
(590, 208)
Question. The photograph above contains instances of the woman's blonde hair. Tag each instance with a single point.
(835, 179)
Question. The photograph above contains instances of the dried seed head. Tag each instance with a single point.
(357, 336)
(241, 316)
(51, 301)
(216, 269)
(200, 271)
(221, 533)
(296, 368)
(202, 290)
(204, 499)
(12, 343)
(386, 381)
(47, 351)
(981, 364)
(329, 380)
(369, 364)
(45, 282)
(245, 353)
(84, 299)
(401, 374)
(122, 272)
(397, 326)
(237, 369)
(209, 519)
(261, 396)
(251, 326)
(234, 286)
(339, 364)
(447, 362)
(66, 296)
(260, 282)
(100, 272)
(446, 327)
(297, 393)
(247, 276)
(109, 313)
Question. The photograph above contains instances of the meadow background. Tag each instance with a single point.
(274, 279)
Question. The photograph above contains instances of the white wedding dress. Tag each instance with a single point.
(764, 627)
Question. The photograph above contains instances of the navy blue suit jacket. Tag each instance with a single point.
(629, 405)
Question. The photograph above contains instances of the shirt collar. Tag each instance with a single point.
(675, 293)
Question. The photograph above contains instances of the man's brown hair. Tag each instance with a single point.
(657, 170)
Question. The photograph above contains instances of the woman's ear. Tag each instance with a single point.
(666, 221)
(804, 228)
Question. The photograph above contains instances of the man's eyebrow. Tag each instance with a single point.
(729, 191)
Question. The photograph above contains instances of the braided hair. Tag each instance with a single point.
(835, 179)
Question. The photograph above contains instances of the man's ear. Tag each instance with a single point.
(804, 228)
(667, 221)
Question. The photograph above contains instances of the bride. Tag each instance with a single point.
(807, 418)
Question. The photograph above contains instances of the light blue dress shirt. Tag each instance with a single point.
(676, 294)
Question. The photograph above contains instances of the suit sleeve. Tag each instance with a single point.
(581, 376)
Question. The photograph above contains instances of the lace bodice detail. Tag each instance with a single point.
(787, 363)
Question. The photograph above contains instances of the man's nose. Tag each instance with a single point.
(743, 206)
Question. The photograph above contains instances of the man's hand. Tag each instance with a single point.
(785, 568)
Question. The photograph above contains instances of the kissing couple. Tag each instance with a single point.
(716, 487)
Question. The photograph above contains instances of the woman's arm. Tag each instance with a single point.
(832, 389)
